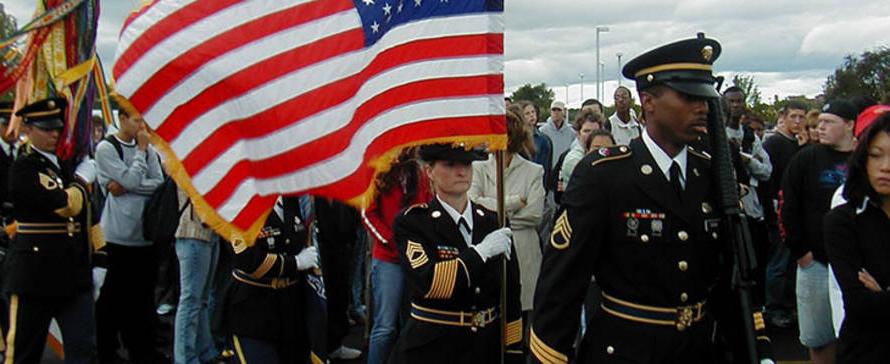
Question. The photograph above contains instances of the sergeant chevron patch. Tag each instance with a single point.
(562, 232)
(416, 255)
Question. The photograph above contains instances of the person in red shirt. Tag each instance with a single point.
(403, 185)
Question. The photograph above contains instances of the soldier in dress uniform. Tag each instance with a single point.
(8, 145)
(641, 218)
(48, 271)
(450, 249)
(265, 305)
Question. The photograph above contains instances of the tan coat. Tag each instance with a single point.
(522, 182)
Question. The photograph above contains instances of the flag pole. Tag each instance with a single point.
(502, 221)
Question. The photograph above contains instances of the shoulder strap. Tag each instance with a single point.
(117, 145)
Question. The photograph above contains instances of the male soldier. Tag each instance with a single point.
(450, 249)
(48, 271)
(265, 309)
(7, 156)
(642, 219)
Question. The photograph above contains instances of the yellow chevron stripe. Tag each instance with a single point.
(758, 321)
(545, 353)
(444, 276)
(513, 332)
(416, 255)
(562, 230)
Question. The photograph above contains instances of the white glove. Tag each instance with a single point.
(307, 258)
(86, 170)
(495, 243)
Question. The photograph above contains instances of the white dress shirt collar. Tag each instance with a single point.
(52, 157)
(467, 214)
(664, 160)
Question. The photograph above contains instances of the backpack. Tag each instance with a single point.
(158, 224)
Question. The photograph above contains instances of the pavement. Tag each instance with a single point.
(785, 344)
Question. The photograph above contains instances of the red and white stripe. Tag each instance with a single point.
(260, 98)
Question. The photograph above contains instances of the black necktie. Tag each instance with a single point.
(675, 179)
(462, 222)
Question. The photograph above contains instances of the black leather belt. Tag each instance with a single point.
(473, 319)
(47, 228)
(680, 317)
(271, 283)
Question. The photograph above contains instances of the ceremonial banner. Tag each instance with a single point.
(252, 99)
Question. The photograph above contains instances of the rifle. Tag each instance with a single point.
(738, 236)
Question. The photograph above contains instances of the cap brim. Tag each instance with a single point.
(48, 124)
(697, 89)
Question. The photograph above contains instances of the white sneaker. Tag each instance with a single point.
(165, 308)
(344, 353)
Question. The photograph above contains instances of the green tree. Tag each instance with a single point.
(539, 94)
(865, 75)
(749, 88)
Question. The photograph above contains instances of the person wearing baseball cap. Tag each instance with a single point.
(810, 180)
(558, 130)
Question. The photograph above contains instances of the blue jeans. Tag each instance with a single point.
(193, 343)
(777, 274)
(814, 306)
(358, 274)
(387, 286)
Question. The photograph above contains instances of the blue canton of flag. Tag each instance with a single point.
(379, 16)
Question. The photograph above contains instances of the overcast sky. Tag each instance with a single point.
(789, 46)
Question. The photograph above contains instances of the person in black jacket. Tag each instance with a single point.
(813, 175)
(856, 241)
(337, 225)
(48, 273)
(450, 249)
(7, 156)
(265, 307)
(642, 219)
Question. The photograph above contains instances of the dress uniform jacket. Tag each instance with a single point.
(50, 255)
(266, 300)
(5, 165)
(647, 246)
(448, 280)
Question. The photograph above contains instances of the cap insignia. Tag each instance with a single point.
(51, 104)
(650, 78)
(707, 52)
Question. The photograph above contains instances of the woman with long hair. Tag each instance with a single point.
(403, 185)
(524, 201)
(859, 251)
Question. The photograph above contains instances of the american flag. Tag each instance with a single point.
(252, 99)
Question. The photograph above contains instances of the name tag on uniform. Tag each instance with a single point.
(712, 225)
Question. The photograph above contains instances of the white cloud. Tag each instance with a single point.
(828, 38)
(790, 46)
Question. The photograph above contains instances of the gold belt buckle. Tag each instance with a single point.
(70, 228)
(684, 317)
(479, 319)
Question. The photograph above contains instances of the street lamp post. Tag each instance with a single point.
(619, 54)
(581, 76)
(602, 86)
(599, 29)
(567, 93)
